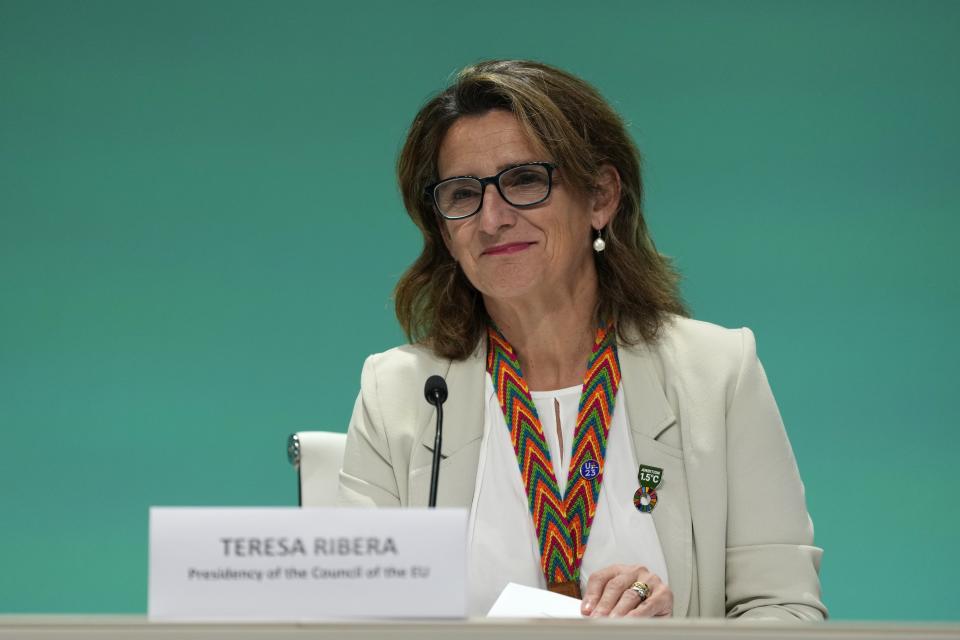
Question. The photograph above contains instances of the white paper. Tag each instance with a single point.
(519, 601)
(291, 564)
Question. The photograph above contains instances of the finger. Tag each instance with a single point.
(612, 591)
(627, 603)
(659, 604)
(631, 599)
(651, 609)
(595, 585)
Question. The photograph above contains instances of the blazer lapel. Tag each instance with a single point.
(462, 435)
(653, 426)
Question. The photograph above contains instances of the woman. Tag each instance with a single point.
(607, 446)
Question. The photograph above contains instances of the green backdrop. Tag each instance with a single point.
(200, 230)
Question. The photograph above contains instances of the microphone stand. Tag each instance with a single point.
(435, 471)
(435, 392)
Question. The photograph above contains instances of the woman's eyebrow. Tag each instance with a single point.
(510, 165)
(500, 167)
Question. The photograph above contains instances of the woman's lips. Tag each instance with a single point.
(509, 247)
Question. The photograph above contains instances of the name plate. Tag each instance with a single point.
(291, 564)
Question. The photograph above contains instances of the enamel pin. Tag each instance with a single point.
(589, 470)
(645, 498)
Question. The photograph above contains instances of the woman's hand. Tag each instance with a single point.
(609, 593)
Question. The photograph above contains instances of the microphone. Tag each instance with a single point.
(435, 391)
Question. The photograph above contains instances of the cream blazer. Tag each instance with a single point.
(731, 515)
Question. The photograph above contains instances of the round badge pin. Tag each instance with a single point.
(645, 499)
(589, 470)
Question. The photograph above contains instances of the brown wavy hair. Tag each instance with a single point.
(638, 287)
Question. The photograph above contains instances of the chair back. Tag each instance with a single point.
(318, 457)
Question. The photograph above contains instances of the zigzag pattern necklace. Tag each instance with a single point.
(562, 523)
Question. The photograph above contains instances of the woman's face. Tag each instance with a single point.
(506, 251)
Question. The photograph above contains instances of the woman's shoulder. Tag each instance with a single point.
(400, 369)
(396, 376)
(697, 362)
(403, 363)
(687, 334)
(688, 344)
(404, 358)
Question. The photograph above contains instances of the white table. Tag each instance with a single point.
(73, 627)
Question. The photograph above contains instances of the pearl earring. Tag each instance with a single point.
(598, 244)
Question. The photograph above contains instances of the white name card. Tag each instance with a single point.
(291, 564)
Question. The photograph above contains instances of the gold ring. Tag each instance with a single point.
(642, 589)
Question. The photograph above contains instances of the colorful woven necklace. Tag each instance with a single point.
(562, 523)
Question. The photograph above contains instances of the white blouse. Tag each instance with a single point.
(502, 544)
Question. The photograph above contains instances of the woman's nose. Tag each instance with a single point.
(495, 212)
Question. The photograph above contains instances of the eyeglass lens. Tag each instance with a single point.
(519, 186)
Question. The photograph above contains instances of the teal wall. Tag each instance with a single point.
(199, 233)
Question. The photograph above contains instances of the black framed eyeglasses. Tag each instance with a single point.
(521, 185)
